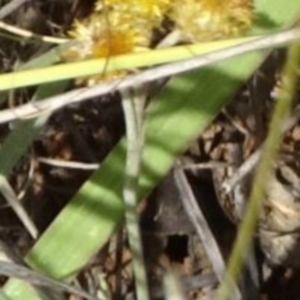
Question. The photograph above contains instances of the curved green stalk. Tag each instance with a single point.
(121, 62)
(133, 106)
(248, 226)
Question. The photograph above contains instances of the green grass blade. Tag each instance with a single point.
(270, 151)
(95, 66)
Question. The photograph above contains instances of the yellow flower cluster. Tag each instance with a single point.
(115, 27)
(118, 27)
(97, 37)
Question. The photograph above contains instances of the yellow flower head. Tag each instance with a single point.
(116, 27)
(205, 20)
(101, 36)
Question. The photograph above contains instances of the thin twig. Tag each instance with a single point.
(32, 110)
(68, 164)
(204, 166)
(37, 279)
(30, 35)
(10, 7)
(15, 204)
(201, 226)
